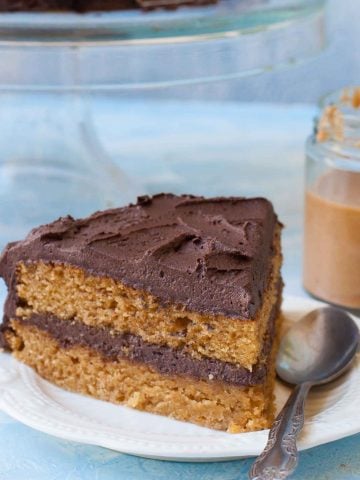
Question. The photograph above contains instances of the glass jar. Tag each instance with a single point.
(332, 202)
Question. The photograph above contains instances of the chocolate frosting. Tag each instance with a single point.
(208, 255)
(81, 6)
(164, 359)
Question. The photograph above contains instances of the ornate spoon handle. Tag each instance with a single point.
(280, 456)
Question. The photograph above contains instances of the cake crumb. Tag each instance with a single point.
(134, 400)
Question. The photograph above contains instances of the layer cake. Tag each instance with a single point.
(171, 306)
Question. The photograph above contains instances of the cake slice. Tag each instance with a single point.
(171, 306)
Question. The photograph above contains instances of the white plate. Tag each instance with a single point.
(332, 413)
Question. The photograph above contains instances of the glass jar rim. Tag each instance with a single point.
(334, 155)
(338, 143)
(334, 96)
(337, 98)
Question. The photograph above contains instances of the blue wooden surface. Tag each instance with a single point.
(26, 454)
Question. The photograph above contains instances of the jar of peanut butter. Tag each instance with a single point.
(332, 202)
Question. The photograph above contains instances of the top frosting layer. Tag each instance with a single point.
(209, 255)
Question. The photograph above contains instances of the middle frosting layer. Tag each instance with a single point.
(162, 358)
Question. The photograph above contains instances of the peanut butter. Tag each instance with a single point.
(332, 238)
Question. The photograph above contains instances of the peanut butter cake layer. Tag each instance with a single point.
(169, 306)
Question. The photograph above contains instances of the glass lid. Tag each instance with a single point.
(133, 49)
(227, 18)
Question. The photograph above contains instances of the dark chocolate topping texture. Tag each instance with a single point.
(81, 6)
(208, 255)
(166, 360)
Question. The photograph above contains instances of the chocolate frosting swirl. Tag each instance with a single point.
(209, 255)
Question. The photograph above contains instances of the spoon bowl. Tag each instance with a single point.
(318, 348)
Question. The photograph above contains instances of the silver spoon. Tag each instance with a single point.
(316, 350)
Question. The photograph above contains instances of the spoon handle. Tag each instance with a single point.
(280, 456)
